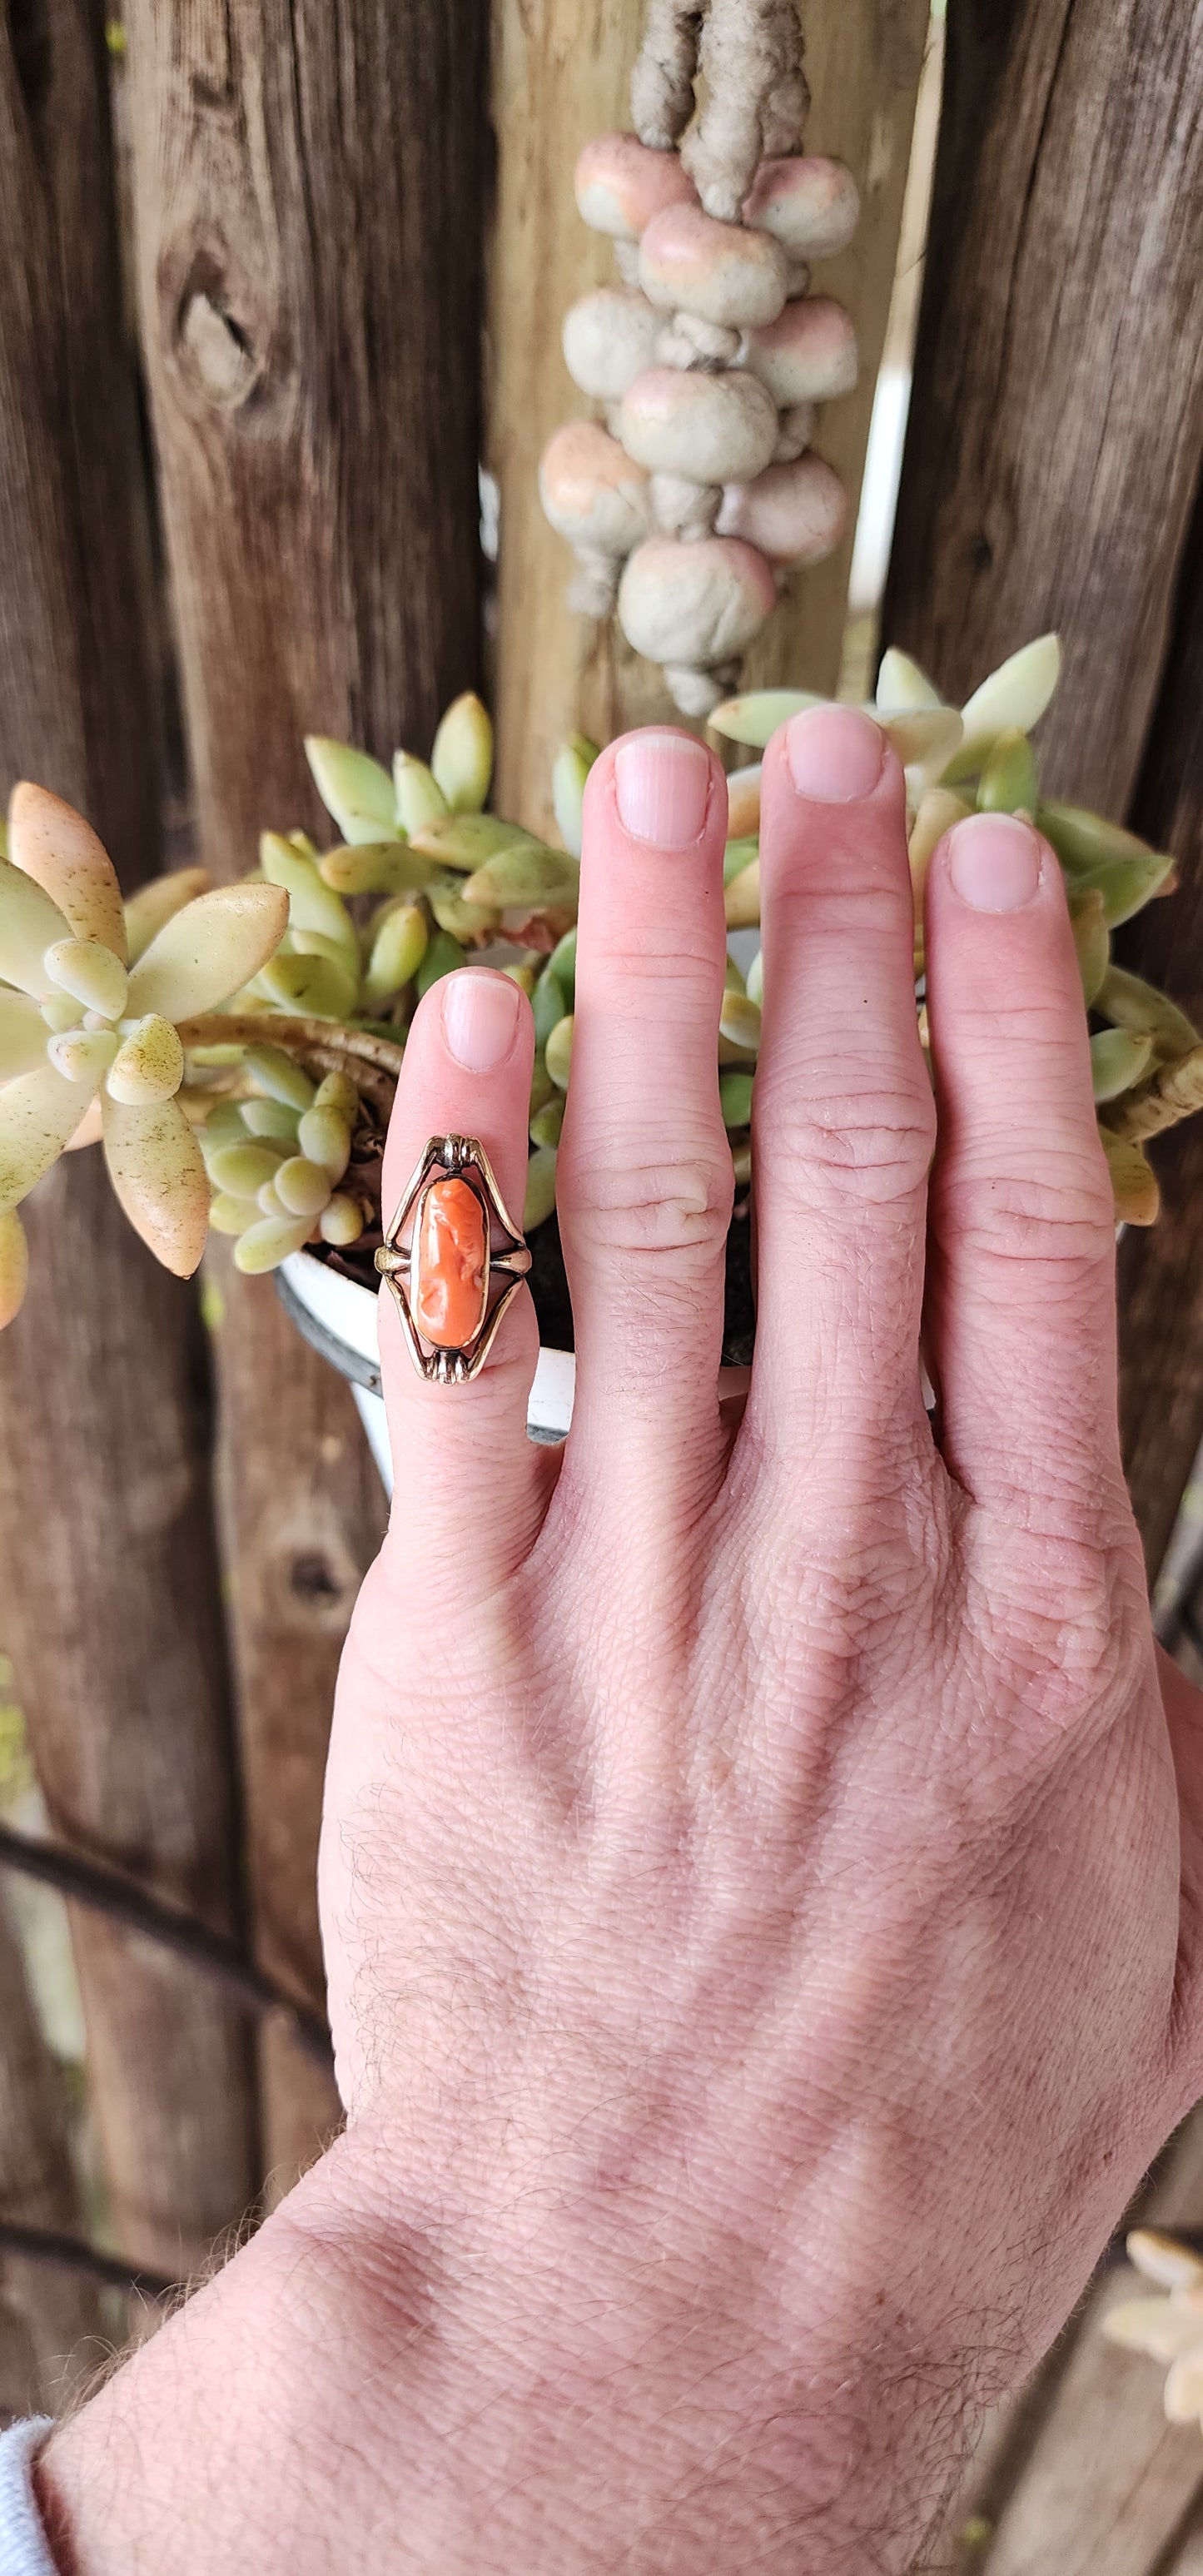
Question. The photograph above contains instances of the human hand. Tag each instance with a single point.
(761, 1882)
(757, 1923)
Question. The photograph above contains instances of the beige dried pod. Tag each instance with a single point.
(593, 493)
(809, 204)
(808, 354)
(723, 273)
(694, 605)
(610, 337)
(795, 514)
(621, 184)
(711, 429)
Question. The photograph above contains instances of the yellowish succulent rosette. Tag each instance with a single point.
(92, 993)
(1167, 2325)
(1146, 1057)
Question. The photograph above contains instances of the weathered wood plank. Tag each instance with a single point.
(1057, 418)
(1161, 1268)
(51, 2323)
(558, 80)
(307, 183)
(1106, 2485)
(109, 1602)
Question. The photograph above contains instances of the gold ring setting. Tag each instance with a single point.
(453, 1258)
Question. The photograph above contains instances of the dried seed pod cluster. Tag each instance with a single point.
(1147, 1057)
(709, 360)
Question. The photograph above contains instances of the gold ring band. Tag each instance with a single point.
(451, 1239)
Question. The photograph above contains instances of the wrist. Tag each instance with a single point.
(572, 2397)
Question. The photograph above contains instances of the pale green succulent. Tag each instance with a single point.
(236, 1050)
(1147, 1059)
(92, 994)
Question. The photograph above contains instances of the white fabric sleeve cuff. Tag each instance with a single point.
(23, 2545)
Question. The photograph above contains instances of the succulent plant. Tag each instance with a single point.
(91, 1001)
(236, 1049)
(1147, 1057)
(1168, 2328)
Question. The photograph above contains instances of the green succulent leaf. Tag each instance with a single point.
(442, 956)
(754, 719)
(318, 987)
(571, 767)
(526, 872)
(1129, 1003)
(462, 758)
(417, 793)
(23, 1034)
(353, 788)
(1092, 939)
(14, 1266)
(1008, 783)
(1118, 1058)
(735, 1098)
(29, 924)
(376, 867)
(739, 855)
(153, 904)
(52, 843)
(1126, 885)
(1013, 699)
(540, 1188)
(208, 951)
(466, 841)
(39, 1113)
(1084, 841)
(312, 904)
(157, 1170)
(901, 685)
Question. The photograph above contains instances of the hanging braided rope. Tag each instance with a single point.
(710, 356)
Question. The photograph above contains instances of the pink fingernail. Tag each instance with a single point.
(480, 1017)
(994, 862)
(836, 754)
(662, 784)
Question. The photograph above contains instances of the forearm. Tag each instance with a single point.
(362, 2388)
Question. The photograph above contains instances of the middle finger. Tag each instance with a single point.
(844, 1122)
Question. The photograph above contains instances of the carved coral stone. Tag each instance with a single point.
(449, 1273)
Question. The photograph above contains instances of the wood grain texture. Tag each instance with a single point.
(1057, 418)
(1108, 2483)
(51, 2323)
(109, 1600)
(559, 78)
(308, 181)
(1161, 1267)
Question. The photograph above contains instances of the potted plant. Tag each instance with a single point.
(235, 1050)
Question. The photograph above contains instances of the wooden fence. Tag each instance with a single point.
(251, 259)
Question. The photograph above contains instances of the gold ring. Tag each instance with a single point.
(442, 1276)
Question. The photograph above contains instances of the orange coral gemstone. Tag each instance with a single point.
(449, 1276)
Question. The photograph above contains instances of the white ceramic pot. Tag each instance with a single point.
(338, 1318)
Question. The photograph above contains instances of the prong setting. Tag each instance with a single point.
(508, 1259)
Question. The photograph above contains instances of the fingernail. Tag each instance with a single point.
(662, 783)
(480, 1017)
(835, 754)
(994, 862)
